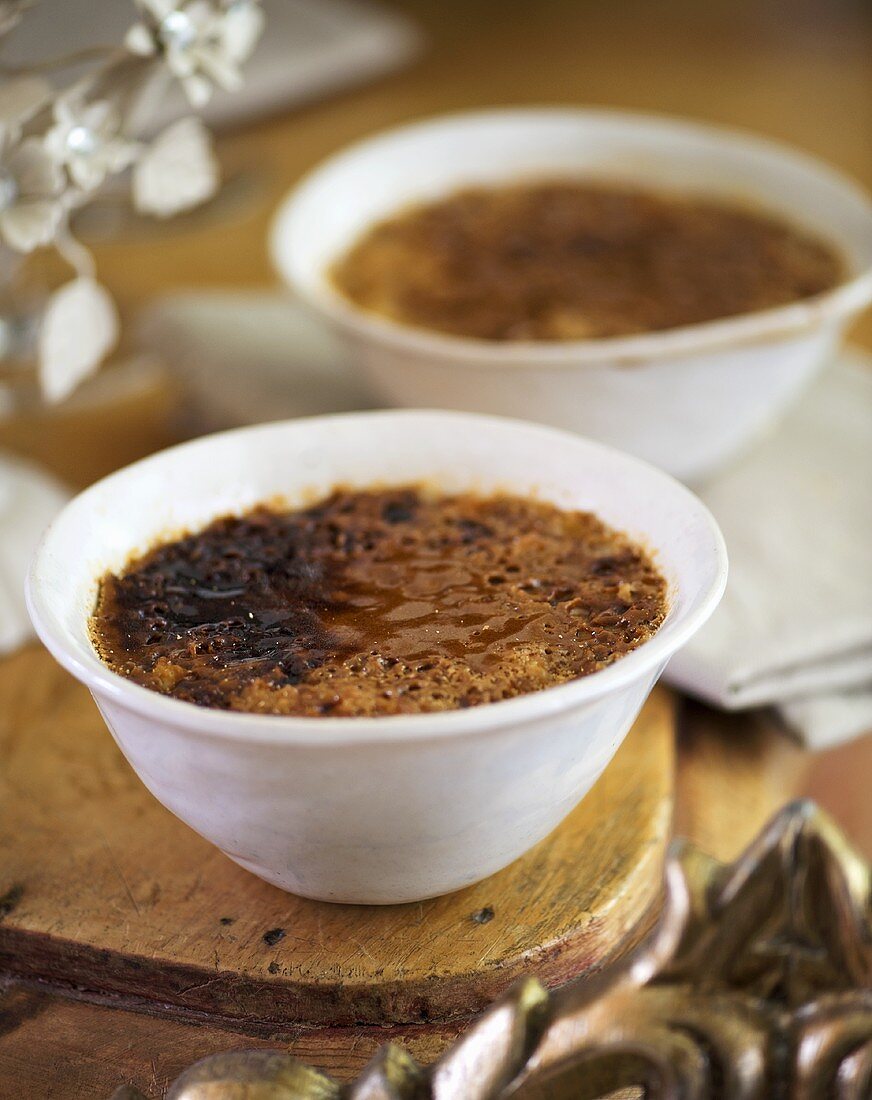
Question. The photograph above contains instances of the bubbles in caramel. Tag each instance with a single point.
(379, 602)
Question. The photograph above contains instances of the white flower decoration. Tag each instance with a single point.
(57, 147)
(86, 140)
(30, 190)
(79, 328)
(178, 170)
(202, 41)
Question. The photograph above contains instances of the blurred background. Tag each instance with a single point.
(796, 70)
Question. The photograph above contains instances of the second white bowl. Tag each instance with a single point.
(686, 399)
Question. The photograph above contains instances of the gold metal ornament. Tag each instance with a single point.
(755, 984)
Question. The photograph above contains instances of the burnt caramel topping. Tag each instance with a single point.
(568, 260)
(379, 602)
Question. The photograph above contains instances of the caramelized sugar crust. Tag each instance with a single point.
(379, 602)
(568, 260)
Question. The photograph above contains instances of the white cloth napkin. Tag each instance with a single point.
(822, 721)
(249, 356)
(795, 627)
(29, 499)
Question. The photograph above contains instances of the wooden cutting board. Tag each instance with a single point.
(106, 898)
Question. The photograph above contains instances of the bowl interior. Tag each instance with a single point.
(298, 461)
(379, 176)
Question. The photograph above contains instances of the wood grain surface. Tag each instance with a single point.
(734, 771)
(107, 892)
(63, 1049)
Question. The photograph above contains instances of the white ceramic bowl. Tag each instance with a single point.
(365, 809)
(686, 399)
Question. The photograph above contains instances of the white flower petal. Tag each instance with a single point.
(86, 140)
(221, 70)
(203, 15)
(180, 62)
(79, 328)
(177, 171)
(100, 116)
(197, 89)
(55, 143)
(29, 225)
(119, 155)
(140, 40)
(86, 173)
(66, 107)
(243, 26)
(20, 99)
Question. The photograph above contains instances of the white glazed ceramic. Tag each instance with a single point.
(686, 399)
(364, 809)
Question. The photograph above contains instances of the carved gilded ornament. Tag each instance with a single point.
(755, 983)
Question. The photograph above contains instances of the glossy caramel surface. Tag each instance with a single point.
(379, 602)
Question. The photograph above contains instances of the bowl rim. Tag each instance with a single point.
(324, 731)
(849, 296)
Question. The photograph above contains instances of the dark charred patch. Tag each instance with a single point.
(10, 899)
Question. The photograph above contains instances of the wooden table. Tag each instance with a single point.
(802, 76)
